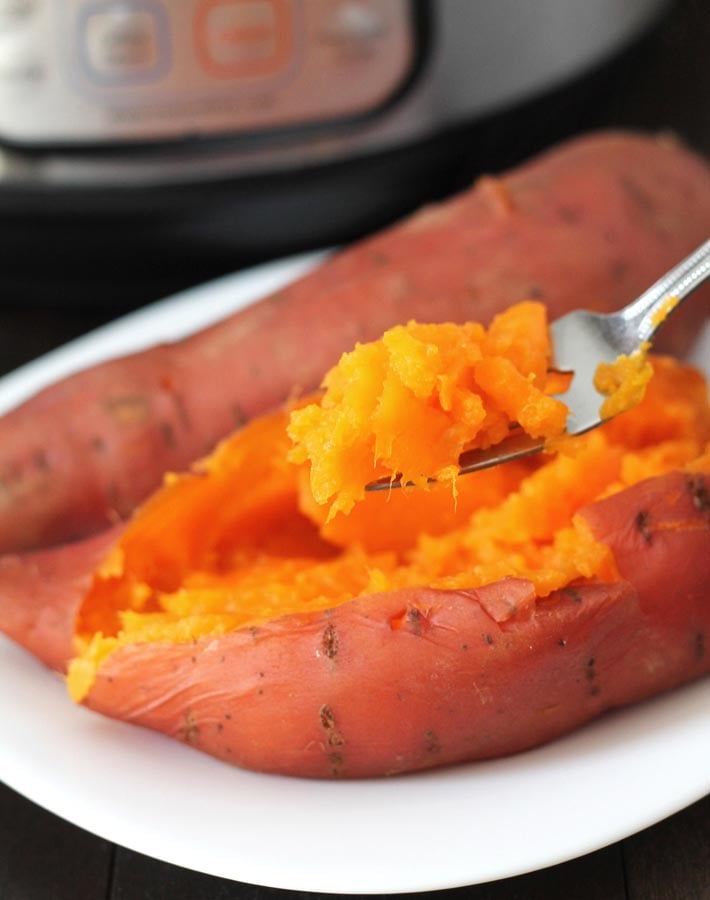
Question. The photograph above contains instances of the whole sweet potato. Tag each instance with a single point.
(589, 224)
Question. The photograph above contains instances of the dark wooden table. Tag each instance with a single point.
(43, 857)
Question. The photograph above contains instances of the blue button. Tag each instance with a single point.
(124, 43)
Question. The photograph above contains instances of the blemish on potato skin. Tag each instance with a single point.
(130, 409)
(488, 639)
(500, 197)
(569, 215)
(619, 269)
(378, 258)
(328, 724)
(41, 461)
(181, 410)
(329, 641)
(431, 742)
(699, 645)
(640, 198)
(562, 642)
(590, 673)
(167, 433)
(190, 731)
(327, 721)
(573, 593)
(642, 523)
(700, 494)
(336, 762)
(414, 619)
(239, 417)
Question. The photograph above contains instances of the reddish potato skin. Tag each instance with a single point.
(41, 592)
(412, 679)
(588, 224)
(659, 531)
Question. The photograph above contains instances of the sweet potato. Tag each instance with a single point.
(589, 224)
(222, 616)
(408, 405)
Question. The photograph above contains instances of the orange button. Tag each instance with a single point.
(244, 38)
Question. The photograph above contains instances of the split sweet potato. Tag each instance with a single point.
(589, 224)
(223, 616)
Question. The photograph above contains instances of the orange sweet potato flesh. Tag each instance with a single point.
(224, 617)
(408, 405)
(588, 224)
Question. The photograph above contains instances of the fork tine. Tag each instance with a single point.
(515, 447)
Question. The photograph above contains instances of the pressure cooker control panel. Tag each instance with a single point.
(94, 71)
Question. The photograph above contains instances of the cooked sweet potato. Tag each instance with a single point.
(223, 616)
(408, 405)
(589, 224)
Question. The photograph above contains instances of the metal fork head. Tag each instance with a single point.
(581, 341)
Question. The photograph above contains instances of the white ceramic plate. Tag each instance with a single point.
(446, 828)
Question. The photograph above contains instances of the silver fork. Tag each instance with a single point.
(581, 340)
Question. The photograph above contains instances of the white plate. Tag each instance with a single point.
(446, 828)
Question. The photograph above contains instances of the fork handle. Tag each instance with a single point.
(642, 316)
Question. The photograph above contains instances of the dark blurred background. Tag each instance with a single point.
(64, 273)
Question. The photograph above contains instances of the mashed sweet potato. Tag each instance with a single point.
(409, 404)
(241, 542)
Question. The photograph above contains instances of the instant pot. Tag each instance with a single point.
(161, 141)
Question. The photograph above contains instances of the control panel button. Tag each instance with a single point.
(244, 38)
(124, 43)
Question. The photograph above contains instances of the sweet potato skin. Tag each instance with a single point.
(589, 224)
(41, 592)
(411, 679)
